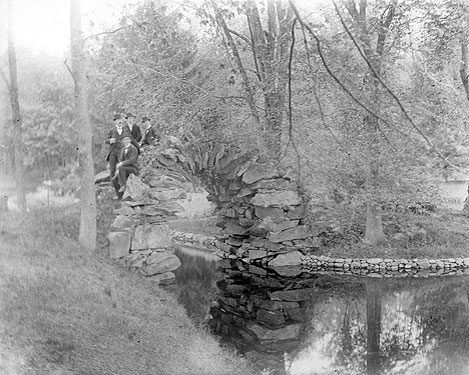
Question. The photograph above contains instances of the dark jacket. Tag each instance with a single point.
(117, 145)
(136, 134)
(129, 157)
(150, 136)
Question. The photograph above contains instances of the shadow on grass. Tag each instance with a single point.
(67, 311)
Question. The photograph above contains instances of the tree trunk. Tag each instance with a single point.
(374, 297)
(16, 114)
(464, 74)
(374, 227)
(87, 236)
(3, 203)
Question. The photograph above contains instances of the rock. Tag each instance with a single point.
(123, 222)
(135, 188)
(273, 318)
(134, 260)
(245, 191)
(259, 172)
(119, 244)
(151, 236)
(166, 195)
(163, 278)
(292, 295)
(257, 270)
(297, 212)
(280, 198)
(153, 210)
(269, 225)
(278, 305)
(228, 212)
(101, 177)
(288, 271)
(233, 228)
(297, 315)
(161, 262)
(276, 214)
(257, 254)
(299, 232)
(274, 183)
(286, 333)
(166, 182)
(125, 210)
(292, 258)
(171, 207)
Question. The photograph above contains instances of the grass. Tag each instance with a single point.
(65, 311)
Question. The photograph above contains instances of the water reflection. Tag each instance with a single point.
(319, 324)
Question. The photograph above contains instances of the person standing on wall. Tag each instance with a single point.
(114, 140)
(128, 162)
(134, 130)
(150, 135)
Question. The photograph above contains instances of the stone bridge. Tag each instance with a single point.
(261, 206)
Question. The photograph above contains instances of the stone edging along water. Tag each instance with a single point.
(372, 267)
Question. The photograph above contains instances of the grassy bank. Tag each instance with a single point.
(444, 234)
(64, 311)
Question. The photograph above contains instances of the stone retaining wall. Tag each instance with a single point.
(294, 262)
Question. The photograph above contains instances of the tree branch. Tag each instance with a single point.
(326, 66)
(241, 36)
(104, 33)
(290, 120)
(399, 103)
(70, 71)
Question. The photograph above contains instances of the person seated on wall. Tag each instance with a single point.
(114, 140)
(151, 135)
(128, 162)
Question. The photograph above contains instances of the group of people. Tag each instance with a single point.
(125, 141)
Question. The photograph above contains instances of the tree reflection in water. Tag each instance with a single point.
(316, 324)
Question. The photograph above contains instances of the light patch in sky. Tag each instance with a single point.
(42, 25)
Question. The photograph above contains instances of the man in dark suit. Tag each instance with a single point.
(127, 162)
(150, 134)
(114, 140)
(134, 129)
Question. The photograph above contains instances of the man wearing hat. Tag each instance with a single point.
(127, 163)
(114, 140)
(134, 129)
(150, 134)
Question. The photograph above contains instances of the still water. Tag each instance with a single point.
(319, 324)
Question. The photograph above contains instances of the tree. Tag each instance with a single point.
(16, 114)
(374, 52)
(87, 236)
(268, 60)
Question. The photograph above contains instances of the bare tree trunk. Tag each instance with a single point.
(464, 74)
(87, 236)
(16, 115)
(374, 296)
(374, 226)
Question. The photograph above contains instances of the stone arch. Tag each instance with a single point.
(261, 206)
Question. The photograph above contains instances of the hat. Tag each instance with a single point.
(126, 136)
(145, 118)
(129, 114)
(117, 116)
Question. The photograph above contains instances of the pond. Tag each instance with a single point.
(326, 324)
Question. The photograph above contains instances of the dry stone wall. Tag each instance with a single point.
(140, 237)
(262, 208)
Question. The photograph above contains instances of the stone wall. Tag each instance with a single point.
(140, 237)
(262, 209)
